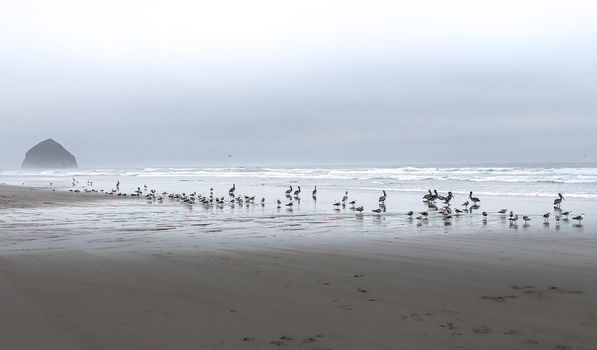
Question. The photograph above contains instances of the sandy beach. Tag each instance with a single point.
(429, 294)
(481, 290)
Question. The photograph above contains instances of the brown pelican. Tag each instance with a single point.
(558, 201)
(288, 192)
(314, 193)
(448, 198)
(383, 198)
(475, 200)
(297, 192)
(231, 191)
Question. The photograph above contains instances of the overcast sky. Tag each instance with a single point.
(149, 83)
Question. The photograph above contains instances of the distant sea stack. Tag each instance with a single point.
(49, 154)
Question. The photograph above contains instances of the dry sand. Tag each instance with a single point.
(471, 293)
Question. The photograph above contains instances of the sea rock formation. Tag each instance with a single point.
(49, 154)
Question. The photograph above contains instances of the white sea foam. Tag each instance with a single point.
(578, 182)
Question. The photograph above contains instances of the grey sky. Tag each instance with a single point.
(184, 82)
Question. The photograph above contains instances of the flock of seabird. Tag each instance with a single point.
(432, 199)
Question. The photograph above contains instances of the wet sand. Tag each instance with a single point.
(29, 197)
(467, 292)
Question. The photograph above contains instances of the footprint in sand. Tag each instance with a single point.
(521, 287)
(309, 340)
(533, 292)
(482, 329)
(451, 327)
(277, 342)
(566, 291)
(563, 347)
(498, 298)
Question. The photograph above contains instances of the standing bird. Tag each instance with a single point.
(383, 198)
(546, 217)
(288, 192)
(428, 196)
(579, 218)
(526, 218)
(484, 215)
(557, 203)
(231, 191)
(359, 209)
(297, 192)
(448, 198)
(314, 193)
(475, 200)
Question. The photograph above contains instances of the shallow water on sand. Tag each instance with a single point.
(136, 223)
